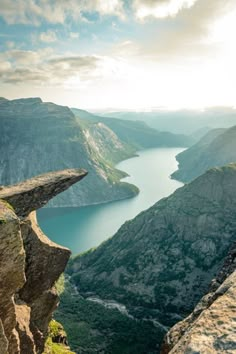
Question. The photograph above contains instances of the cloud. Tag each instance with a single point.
(10, 44)
(43, 68)
(48, 37)
(22, 75)
(25, 58)
(5, 66)
(187, 33)
(55, 11)
(160, 8)
(73, 64)
(74, 35)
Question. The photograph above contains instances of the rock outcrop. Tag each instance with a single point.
(34, 193)
(211, 327)
(29, 263)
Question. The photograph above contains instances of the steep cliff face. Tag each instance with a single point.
(29, 263)
(211, 327)
(38, 137)
(216, 148)
(161, 263)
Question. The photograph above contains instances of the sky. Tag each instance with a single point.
(119, 54)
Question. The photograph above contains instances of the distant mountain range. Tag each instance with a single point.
(183, 121)
(216, 148)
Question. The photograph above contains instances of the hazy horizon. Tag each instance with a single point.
(107, 110)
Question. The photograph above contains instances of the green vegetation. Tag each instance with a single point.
(55, 348)
(92, 327)
(60, 284)
(52, 346)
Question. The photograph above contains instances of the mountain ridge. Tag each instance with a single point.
(138, 132)
(216, 148)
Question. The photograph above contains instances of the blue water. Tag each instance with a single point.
(82, 228)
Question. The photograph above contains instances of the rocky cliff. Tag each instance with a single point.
(29, 263)
(39, 137)
(211, 327)
(216, 148)
(161, 263)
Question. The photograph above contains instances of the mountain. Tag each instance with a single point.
(38, 137)
(160, 264)
(137, 133)
(216, 148)
(182, 121)
(30, 264)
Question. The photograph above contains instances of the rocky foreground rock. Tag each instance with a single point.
(29, 263)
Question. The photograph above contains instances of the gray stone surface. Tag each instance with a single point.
(34, 193)
(211, 328)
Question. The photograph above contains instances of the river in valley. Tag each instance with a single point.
(83, 228)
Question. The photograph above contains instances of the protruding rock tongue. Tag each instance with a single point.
(35, 192)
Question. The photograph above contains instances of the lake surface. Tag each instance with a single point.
(82, 228)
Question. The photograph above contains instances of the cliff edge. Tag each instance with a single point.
(29, 262)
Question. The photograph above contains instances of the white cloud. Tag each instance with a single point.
(160, 8)
(26, 58)
(48, 37)
(43, 68)
(188, 33)
(74, 35)
(55, 11)
(5, 66)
